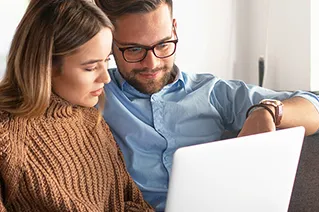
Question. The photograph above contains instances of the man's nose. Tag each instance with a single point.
(150, 61)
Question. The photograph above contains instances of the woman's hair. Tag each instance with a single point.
(48, 31)
(116, 8)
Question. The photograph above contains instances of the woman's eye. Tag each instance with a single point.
(90, 69)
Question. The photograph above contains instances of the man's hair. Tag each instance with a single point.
(117, 8)
(48, 31)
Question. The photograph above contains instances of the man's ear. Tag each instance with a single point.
(174, 23)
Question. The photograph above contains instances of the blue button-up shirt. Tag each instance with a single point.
(194, 109)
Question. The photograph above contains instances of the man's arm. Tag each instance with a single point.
(297, 111)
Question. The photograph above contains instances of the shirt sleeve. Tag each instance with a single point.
(232, 98)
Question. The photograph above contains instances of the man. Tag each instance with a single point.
(153, 108)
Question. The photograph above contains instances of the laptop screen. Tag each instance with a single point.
(251, 173)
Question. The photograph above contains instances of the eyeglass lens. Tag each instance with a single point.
(161, 50)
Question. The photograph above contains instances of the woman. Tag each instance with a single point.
(56, 152)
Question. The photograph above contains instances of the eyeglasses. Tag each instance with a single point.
(138, 53)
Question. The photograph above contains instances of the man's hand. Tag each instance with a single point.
(258, 121)
(297, 111)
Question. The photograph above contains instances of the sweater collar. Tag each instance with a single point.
(59, 107)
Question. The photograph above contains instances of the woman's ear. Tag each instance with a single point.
(56, 71)
(56, 67)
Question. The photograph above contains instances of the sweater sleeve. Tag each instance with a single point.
(134, 201)
(2, 208)
(11, 160)
(4, 143)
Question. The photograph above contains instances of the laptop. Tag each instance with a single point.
(251, 173)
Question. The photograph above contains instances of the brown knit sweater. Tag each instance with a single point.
(61, 162)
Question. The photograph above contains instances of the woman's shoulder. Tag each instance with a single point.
(11, 154)
(4, 115)
(4, 134)
(10, 127)
(8, 121)
(4, 121)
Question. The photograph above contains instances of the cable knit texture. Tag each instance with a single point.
(63, 161)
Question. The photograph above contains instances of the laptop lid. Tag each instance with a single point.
(251, 173)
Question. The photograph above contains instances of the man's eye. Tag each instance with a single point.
(134, 50)
(161, 46)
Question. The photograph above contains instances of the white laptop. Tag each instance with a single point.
(248, 174)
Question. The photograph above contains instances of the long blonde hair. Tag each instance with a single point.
(48, 31)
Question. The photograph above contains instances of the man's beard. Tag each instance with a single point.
(151, 86)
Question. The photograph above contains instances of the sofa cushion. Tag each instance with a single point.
(305, 194)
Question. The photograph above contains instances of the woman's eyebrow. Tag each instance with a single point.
(95, 60)
(91, 61)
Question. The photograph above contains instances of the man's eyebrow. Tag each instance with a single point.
(138, 44)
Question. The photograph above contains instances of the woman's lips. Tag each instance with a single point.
(97, 92)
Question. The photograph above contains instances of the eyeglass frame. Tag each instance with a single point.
(148, 48)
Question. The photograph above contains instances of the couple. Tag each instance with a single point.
(58, 154)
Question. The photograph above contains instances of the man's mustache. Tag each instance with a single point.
(146, 70)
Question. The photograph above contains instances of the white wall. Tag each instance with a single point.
(314, 45)
(289, 45)
(204, 29)
(10, 14)
(235, 33)
(226, 38)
